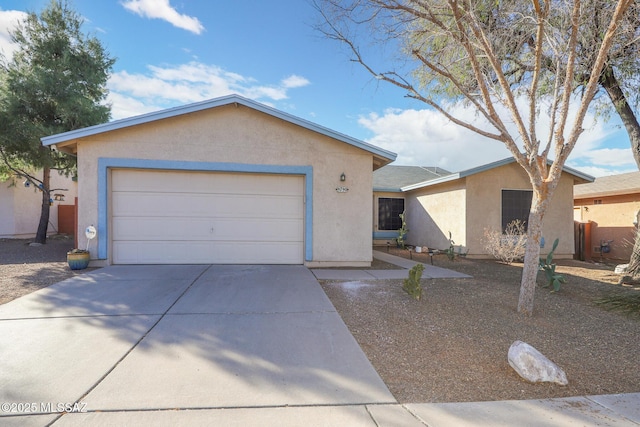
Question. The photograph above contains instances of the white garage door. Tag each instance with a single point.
(175, 217)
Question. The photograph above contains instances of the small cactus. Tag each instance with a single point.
(412, 284)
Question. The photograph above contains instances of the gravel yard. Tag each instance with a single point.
(24, 268)
(452, 345)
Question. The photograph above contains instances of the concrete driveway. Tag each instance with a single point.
(171, 345)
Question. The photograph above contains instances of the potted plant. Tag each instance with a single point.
(78, 259)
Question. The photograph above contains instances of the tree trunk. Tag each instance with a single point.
(634, 263)
(531, 256)
(610, 84)
(41, 235)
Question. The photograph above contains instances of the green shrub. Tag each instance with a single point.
(412, 284)
(402, 231)
(549, 268)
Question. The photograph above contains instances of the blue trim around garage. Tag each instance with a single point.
(104, 164)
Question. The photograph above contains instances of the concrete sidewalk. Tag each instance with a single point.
(430, 271)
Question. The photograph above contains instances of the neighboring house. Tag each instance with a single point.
(227, 180)
(438, 202)
(610, 205)
(20, 207)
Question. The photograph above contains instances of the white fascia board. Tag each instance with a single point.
(452, 177)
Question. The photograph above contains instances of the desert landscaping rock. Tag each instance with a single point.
(621, 268)
(534, 366)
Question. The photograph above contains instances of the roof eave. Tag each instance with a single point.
(386, 190)
(429, 183)
(597, 194)
(578, 176)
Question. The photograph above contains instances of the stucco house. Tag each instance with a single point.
(20, 207)
(227, 180)
(608, 210)
(466, 203)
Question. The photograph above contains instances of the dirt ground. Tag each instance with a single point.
(452, 345)
(24, 268)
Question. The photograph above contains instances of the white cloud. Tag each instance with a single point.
(161, 9)
(168, 86)
(596, 171)
(8, 21)
(294, 81)
(426, 138)
(608, 156)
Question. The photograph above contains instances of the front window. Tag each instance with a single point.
(516, 205)
(389, 210)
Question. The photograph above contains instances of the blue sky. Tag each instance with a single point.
(174, 52)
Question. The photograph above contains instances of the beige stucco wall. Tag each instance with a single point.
(435, 211)
(238, 134)
(467, 206)
(612, 220)
(484, 208)
(20, 206)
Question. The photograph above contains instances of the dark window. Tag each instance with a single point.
(516, 204)
(389, 211)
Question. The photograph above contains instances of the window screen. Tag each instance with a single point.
(516, 204)
(389, 211)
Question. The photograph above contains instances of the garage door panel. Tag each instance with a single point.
(229, 229)
(140, 252)
(129, 204)
(160, 217)
(258, 230)
(163, 181)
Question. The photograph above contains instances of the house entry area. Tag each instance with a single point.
(187, 217)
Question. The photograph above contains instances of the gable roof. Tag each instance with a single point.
(381, 156)
(392, 178)
(448, 177)
(613, 185)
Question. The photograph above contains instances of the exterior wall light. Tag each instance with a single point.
(343, 177)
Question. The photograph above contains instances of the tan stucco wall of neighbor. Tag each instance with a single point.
(20, 206)
(484, 208)
(435, 211)
(612, 220)
(238, 134)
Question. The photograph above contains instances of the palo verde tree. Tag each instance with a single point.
(55, 82)
(618, 80)
(450, 55)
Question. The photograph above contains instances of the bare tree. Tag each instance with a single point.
(449, 52)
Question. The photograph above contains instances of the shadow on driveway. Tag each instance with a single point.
(160, 337)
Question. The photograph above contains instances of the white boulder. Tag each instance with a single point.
(533, 366)
(621, 268)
